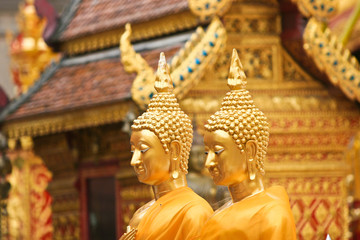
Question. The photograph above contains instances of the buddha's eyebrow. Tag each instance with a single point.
(137, 143)
(218, 145)
(218, 142)
(207, 145)
(142, 141)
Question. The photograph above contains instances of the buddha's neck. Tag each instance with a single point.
(168, 186)
(246, 188)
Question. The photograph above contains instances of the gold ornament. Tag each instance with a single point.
(165, 118)
(12, 143)
(29, 53)
(239, 116)
(26, 143)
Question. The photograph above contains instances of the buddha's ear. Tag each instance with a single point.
(251, 150)
(175, 149)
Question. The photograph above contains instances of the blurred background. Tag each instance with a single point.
(8, 11)
(73, 78)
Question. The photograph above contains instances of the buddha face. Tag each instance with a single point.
(150, 161)
(225, 162)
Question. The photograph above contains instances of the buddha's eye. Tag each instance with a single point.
(144, 150)
(219, 151)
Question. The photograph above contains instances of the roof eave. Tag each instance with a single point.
(64, 21)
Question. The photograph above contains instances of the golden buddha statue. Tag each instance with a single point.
(236, 140)
(161, 142)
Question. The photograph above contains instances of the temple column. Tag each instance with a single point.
(29, 204)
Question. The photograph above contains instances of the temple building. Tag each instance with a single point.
(88, 74)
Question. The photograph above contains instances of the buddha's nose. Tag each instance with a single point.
(210, 160)
(135, 159)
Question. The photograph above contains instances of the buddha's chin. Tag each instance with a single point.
(142, 178)
(147, 180)
(217, 179)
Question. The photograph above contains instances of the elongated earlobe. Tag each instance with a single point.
(251, 169)
(251, 150)
(175, 174)
(174, 158)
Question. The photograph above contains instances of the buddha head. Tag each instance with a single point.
(161, 137)
(237, 135)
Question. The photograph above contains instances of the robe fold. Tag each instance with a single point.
(178, 215)
(264, 216)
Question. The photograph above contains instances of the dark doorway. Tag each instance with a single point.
(101, 208)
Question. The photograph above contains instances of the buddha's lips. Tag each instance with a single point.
(139, 169)
(214, 172)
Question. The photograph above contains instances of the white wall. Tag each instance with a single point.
(7, 22)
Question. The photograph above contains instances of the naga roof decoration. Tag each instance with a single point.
(333, 58)
(187, 66)
(328, 52)
(320, 9)
(206, 9)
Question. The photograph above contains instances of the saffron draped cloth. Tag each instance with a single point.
(178, 215)
(266, 216)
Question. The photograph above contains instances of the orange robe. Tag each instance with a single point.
(266, 216)
(178, 215)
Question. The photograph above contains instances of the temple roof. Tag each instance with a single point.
(77, 86)
(86, 17)
(81, 91)
(83, 85)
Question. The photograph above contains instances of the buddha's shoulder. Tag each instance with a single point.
(278, 205)
(273, 199)
(277, 196)
(139, 214)
(196, 198)
(195, 203)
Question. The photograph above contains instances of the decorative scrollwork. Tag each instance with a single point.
(187, 66)
(333, 58)
(320, 9)
(209, 8)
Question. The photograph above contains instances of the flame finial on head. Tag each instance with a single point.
(237, 78)
(163, 81)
